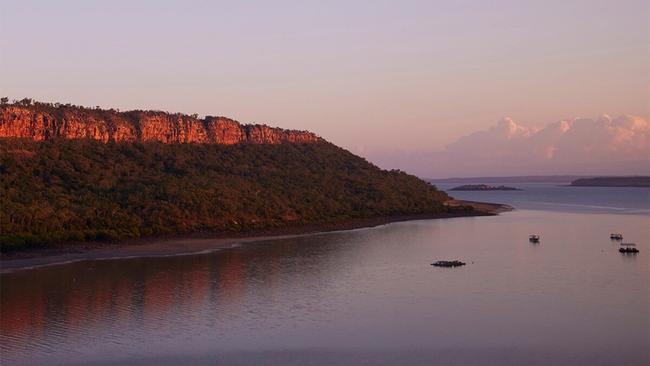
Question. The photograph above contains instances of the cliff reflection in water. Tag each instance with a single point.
(75, 299)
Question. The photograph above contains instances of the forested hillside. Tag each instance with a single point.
(80, 189)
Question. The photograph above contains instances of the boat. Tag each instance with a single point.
(628, 248)
(533, 238)
(448, 263)
(616, 236)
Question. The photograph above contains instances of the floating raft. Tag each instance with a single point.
(448, 264)
(628, 248)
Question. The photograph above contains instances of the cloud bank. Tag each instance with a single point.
(579, 146)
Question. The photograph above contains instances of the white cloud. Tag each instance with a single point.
(579, 146)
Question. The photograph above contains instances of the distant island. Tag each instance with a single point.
(635, 181)
(483, 187)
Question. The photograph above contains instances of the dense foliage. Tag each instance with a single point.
(76, 190)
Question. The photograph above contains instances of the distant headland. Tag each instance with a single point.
(510, 179)
(633, 181)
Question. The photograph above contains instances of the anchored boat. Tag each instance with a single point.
(533, 238)
(616, 236)
(448, 264)
(628, 248)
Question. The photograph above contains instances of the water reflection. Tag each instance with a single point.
(372, 289)
(76, 298)
(70, 302)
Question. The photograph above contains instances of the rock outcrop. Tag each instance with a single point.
(42, 121)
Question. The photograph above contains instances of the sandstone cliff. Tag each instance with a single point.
(41, 121)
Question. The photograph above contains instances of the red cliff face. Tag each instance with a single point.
(43, 122)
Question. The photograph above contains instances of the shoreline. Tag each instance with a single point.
(199, 243)
(487, 207)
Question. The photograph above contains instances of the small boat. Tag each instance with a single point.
(616, 236)
(628, 248)
(448, 264)
(533, 238)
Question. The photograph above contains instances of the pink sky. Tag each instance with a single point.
(579, 146)
(387, 79)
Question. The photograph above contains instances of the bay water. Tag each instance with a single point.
(366, 296)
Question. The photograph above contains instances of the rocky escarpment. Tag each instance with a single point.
(41, 121)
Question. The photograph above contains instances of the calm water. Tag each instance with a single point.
(556, 197)
(359, 297)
